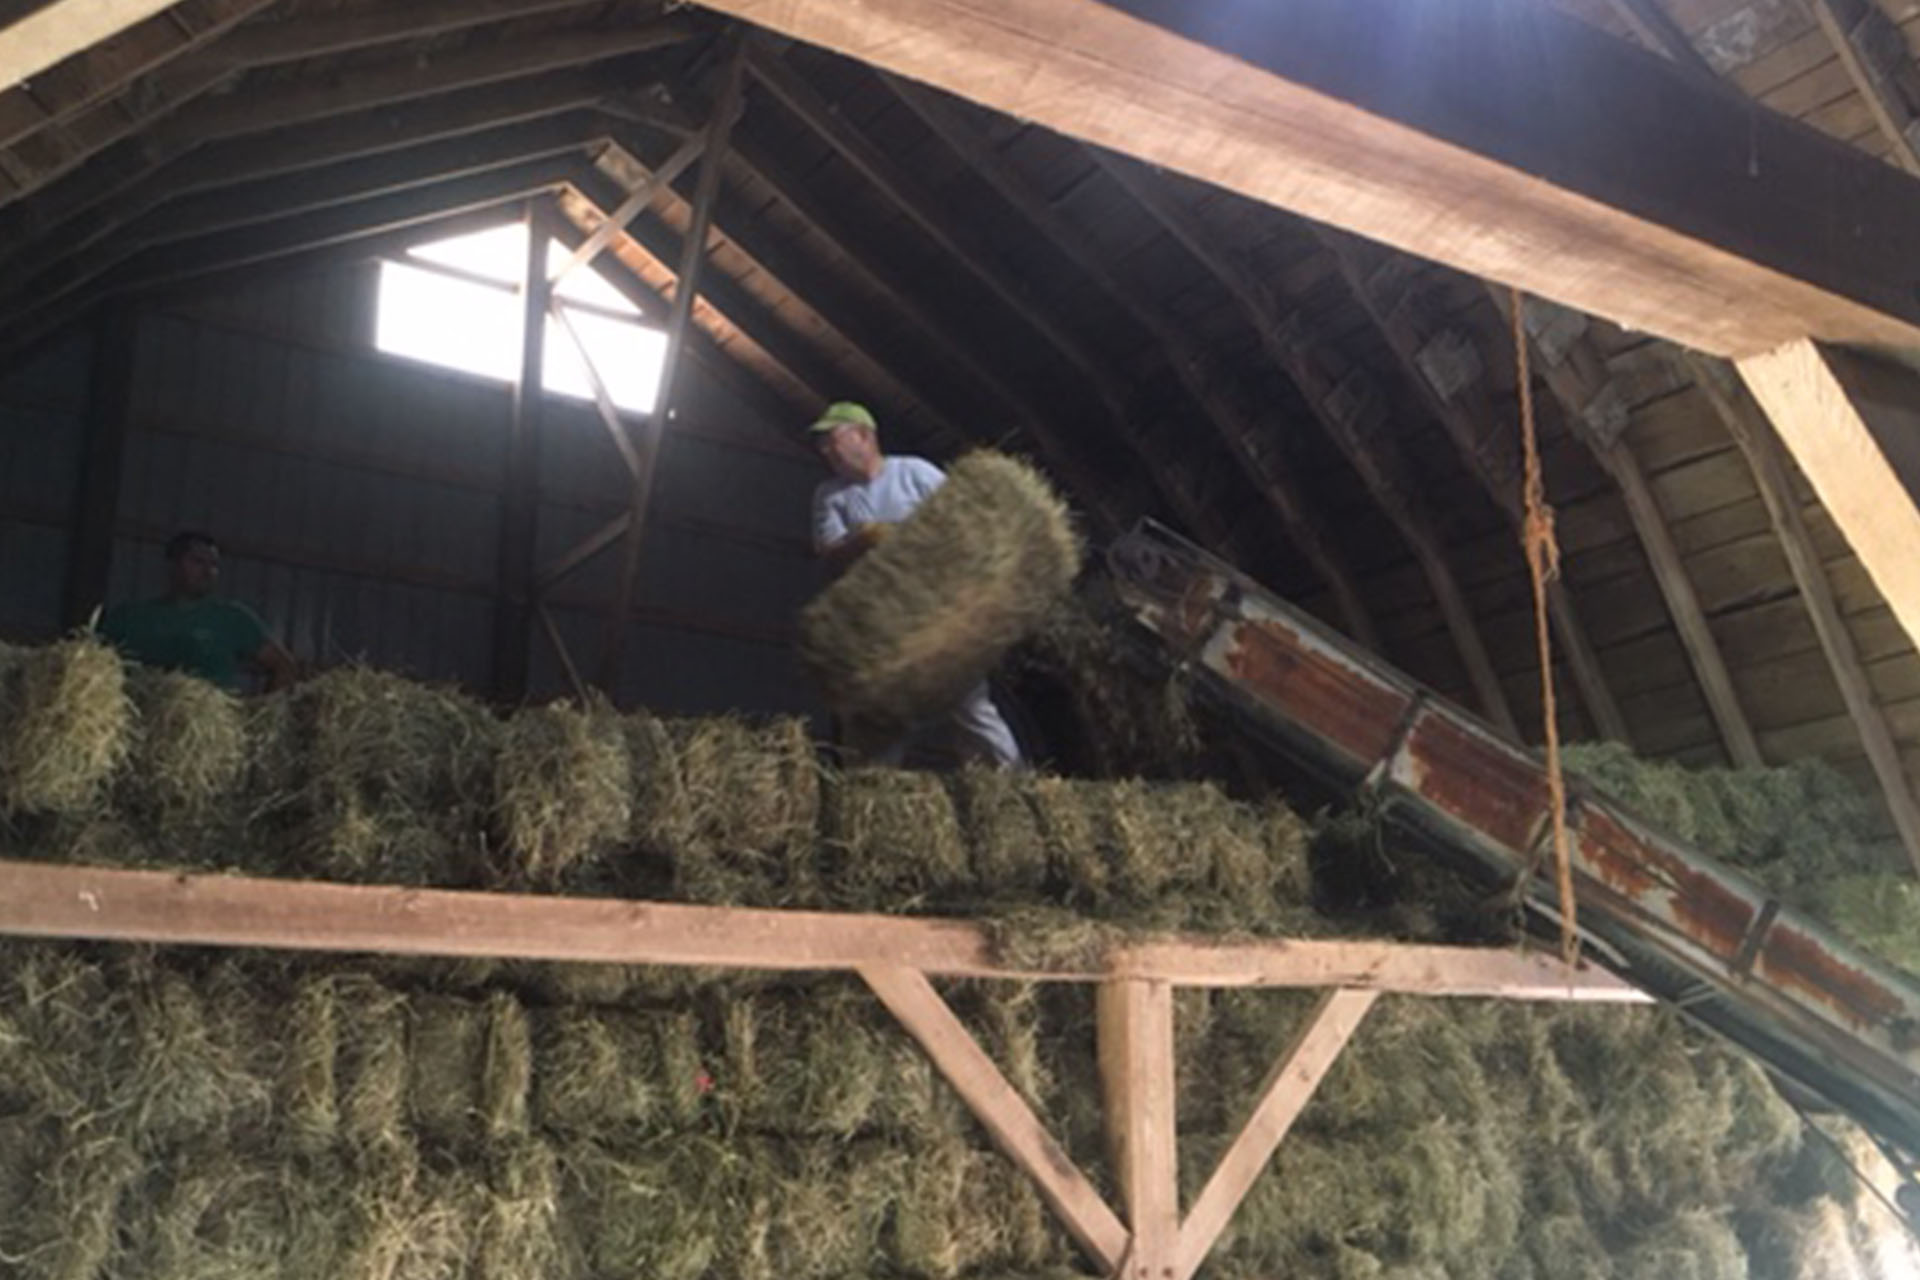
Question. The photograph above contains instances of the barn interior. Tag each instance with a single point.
(540, 930)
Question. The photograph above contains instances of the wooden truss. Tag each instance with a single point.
(895, 956)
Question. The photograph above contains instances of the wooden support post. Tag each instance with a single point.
(1278, 1103)
(1851, 424)
(1136, 1075)
(96, 504)
(1579, 382)
(1008, 1120)
(602, 398)
(1750, 431)
(513, 613)
(686, 288)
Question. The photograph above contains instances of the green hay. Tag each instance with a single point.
(597, 1071)
(1692, 1246)
(214, 1217)
(753, 800)
(364, 776)
(66, 724)
(1004, 842)
(196, 1071)
(663, 814)
(562, 791)
(446, 1052)
(67, 1231)
(309, 1101)
(921, 619)
(189, 752)
(658, 1212)
(519, 1233)
(372, 1063)
(506, 1070)
(1880, 912)
(1135, 724)
(893, 839)
(811, 1067)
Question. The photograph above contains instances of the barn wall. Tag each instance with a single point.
(358, 499)
(43, 416)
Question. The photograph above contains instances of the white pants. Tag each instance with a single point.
(981, 731)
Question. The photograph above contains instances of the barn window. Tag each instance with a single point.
(456, 303)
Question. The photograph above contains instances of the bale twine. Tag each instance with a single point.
(189, 752)
(66, 724)
(562, 791)
(921, 619)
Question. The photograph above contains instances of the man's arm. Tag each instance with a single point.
(281, 668)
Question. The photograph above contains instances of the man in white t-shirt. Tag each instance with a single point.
(870, 492)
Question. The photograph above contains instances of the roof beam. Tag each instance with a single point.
(1254, 448)
(1851, 423)
(1656, 29)
(1748, 426)
(227, 250)
(170, 131)
(1579, 381)
(1716, 236)
(58, 30)
(1874, 52)
(302, 36)
(278, 197)
(77, 82)
(132, 179)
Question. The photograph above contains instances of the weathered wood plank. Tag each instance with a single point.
(1135, 1020)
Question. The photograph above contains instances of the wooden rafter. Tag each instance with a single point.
(241, 205)
(963, 245)
(1252, 447)
(54, 32)
(1595, 408)
(185, 116)
(1850, 424)
(67, 88)
(290, 39)
(1655, 28)
(1874, 52)
(1748, 426)
(1492, 167)
(1487, 447)
(520, 474)
(106, 197)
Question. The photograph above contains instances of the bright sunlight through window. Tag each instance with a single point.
(456, 303)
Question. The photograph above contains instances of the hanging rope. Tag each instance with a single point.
(1543, 565)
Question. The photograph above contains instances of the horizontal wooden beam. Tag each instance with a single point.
(54, 32)
(45, 900)
(1447, 130)
(289, 39)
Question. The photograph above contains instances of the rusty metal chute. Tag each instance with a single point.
(1813, 1008)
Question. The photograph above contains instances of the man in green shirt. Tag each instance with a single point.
(189, 629)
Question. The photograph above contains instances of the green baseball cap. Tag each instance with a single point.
(843, 413)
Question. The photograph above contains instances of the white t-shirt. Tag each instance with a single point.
(839, 506)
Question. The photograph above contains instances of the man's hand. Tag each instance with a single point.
(872, 535)
(863, 538)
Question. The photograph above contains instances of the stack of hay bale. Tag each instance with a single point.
(174, 1114)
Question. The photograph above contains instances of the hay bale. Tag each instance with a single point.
(1135, 722)
(371, 1024)
(214, 1217)
(66, 724)
(506, 1070)
(816, 1066)
(309, 1100)
(189, 749)
(67, 1231)
(663, 817)
(752, 802)
(198, 1073)
(447, 1039)
(1881, 912)
(1004, 841)
(893, 840)
(658, 1212)
(921, 619)
(1689, 1246)
(562, 791)
(362, 775)
(519, 1231)
(596, 1071)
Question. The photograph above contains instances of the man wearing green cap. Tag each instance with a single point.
(868, 493)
